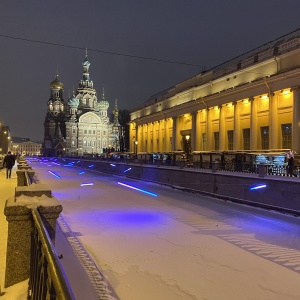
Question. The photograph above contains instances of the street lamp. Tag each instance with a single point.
(187, 137)
(136, 146)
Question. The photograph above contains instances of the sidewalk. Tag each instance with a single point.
(7, 190)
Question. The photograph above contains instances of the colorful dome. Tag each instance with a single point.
(56, 84)
(73, 101)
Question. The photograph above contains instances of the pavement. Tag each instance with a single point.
(7, 190)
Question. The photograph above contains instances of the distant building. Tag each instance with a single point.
(251, 102)
(80, 125)
(23, 146)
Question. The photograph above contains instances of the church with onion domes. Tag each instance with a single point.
(81, 125)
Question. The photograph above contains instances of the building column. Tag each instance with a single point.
(209, 138)
(273, 122)
(296, 120)
(193, 131)
(253, 124)
(236, 131)
(174, 133)
(222, 129)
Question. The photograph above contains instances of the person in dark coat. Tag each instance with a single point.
(8, 163)
(291, 163)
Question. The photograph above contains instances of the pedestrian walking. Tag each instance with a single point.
(8, 163)
(291, 163)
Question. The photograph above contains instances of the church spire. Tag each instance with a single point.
(86, 82)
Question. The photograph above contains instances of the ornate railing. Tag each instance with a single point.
(47, 278)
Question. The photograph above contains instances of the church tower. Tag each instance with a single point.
(54, 124)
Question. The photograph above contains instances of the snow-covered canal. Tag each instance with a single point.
(170, 245)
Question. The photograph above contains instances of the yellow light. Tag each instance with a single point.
(264, 97)
(285, 92)
(216, 108)
(245, 101)
(229, 104)
(187, 137)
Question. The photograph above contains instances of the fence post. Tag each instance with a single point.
(18, 242)
(20, 225)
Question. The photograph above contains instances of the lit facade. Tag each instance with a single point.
(249, 103)
(25, 147)
(80, 125)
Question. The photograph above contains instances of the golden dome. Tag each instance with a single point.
(56, 84)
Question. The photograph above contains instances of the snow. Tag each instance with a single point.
(166, 248)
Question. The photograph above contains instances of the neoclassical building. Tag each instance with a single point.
(80, 125)
(248, 103)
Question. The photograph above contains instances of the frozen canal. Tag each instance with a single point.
(171, 245)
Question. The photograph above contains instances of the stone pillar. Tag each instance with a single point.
(273, 122)
(194, 131)
(222, 129)
(236, 131)
(174, 132)
(20, 225)
(208, 131)
(296, 120)
(253, 124)
(49, 215)
(18, 243)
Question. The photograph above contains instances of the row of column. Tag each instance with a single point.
(164, 135)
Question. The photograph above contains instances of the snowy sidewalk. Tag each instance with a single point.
(7, 190)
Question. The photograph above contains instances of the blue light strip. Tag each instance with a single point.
(88, 183)
(140, 190)
(81, 172)
(90, 166)
(258, 187)
(57, 176)
(127, 170)
(112, 165)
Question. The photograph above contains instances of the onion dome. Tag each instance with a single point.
(56, 84)
(73, 101)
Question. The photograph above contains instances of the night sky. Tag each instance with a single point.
(194, 33)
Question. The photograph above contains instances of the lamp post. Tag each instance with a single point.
(187, 137)
(135, 148)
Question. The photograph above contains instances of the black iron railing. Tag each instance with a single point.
(47, 278)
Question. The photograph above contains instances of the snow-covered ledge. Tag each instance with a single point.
(20, 223)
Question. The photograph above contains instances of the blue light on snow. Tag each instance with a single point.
(87, 183)
(127, 170)
(54, 174)
(112, 165)
(258, 187)
(81, 172)
(90, 166)
(140, 190)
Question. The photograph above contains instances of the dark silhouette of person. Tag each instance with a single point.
(291, 163)
(8, 163)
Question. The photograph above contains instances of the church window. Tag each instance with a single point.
(73, 130)
(73, 143)
(93, 143)
(104, 132)
(85, 131)
(90, 131)
(94, 131)
(84, 143)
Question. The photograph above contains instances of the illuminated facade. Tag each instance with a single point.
(251, 102)
(80, 125)
(20, 146)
